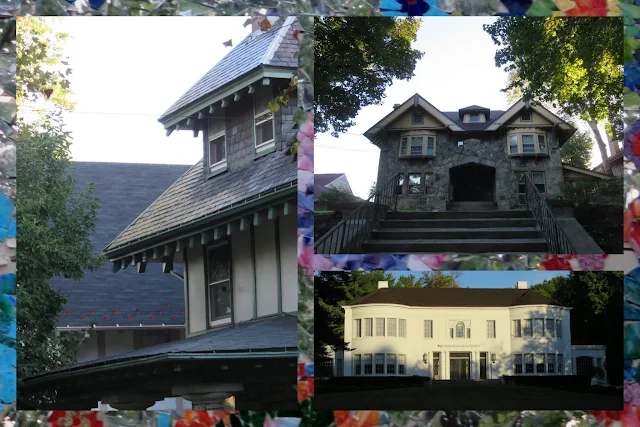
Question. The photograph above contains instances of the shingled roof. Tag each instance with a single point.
(193, 198)
(101, 292)
(273, 47)
(454, 297)
(475, 126)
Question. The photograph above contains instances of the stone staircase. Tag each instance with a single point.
(471, 227)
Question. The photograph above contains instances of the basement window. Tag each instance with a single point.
(414, 183)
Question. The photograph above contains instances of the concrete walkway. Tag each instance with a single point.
(464, 397)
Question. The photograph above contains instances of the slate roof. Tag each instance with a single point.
(455, 117)
(251, 53)
(322, 179)
(272, 333)
(102, 290)
(454, 297)
(192, 197)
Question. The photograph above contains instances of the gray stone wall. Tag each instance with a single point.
(489, 149)
(284, 120)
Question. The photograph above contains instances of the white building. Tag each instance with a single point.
(462, 334)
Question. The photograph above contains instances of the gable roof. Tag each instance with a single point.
(588, 172)
(275, 47)
(323, 179)
(193, 199)
(454, 297)
(103, 291)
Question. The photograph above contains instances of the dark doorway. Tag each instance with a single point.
(483, 366)
(460, 366)
(472, 183)
(584, 365)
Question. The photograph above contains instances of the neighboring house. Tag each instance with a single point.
(231, 219)
(325, 181)
(616, 162)
(128, 311)
(462, 333)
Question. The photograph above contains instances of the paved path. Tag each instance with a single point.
(460, 397)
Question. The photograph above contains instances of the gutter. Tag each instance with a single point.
(118, 327)
(287, 352)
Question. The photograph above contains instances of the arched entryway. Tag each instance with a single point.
(472, 182)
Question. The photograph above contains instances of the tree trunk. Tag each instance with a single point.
(613, 145)
(601, 145)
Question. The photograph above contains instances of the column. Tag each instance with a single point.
(444, 373)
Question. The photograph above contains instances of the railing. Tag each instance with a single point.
(551, 230)
(347, 236)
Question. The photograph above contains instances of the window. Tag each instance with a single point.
(416, 145)
(402, 363)
(368, 367)
(414, 183)
(358, 328)
(368, 327)
(558, 328)
(379, 327)
(540, 363)
(428, 328)
(491, 328)
(526, 328)
(517, 330)
(538, 180)
(527, 144)
(538, 327)
(263, 119)
(550, 331)
(217, 145)
(542, 146)
(402, 328)
(474, 117)
(436, 365)
(551, 362)
(526, 116)
(400, 185)
(460, 330)
(528, 363)
(219, 284)
(560, 364)
(431, 146)
(379, 363)
(513, 144)
(522, 187)
(357, 364)
(517, 363)
(451, 332)
(403, 146)
(417, 119)
(391, 364)
(391, 327)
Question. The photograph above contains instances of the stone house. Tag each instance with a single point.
(464, 333)
(231, 221)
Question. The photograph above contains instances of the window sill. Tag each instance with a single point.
(417, 156)
(529, 155)
(218, 323)
(264, 149)
(218, 168)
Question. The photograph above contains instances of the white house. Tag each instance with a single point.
(462, 334)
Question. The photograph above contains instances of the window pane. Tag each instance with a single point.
(379, 327)
(368, 327)
(491, 328)
(391, 364)
(402, 328)
(559, 329)
(379, 363)
(474, 117)
(402, 360)
(526, 116)
(542, 147)
(526, 328)
(358, 327)
(538, 327)
(357, 365)
(391, 327)
(416, 145)
(551, 328)
(428, 328)
(218, 276)
(414, 183)
(431, 146)
(517, 331)
(513, 144)
(217, 152)
(527, 144)
(528, 362)
(403, 146)
(538, 180)
(540, 363)
(517, 361)
(264, 131)
(418, 119)
(551, 362)
(368, 364)
(460, 330)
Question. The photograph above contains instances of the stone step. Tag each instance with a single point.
(457, 233)
(472, 206)
(459, 214)
(491, 246)
(457, 223)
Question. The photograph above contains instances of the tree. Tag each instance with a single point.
(55, 219)
(575, 64)
(355, 60)
(577, 150)
(438, 279)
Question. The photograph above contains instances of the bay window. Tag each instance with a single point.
(418, 145)
(526, 142)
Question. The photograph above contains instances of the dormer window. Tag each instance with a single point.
(216, 146)
(417, 119)
(264, 129)
(526, 116)
(474, 117)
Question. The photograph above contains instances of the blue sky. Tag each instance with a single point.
(457, 70)
(495, 279)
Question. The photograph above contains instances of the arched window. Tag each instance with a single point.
(459, 330)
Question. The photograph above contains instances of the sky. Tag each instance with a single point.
(495, 279)
(123, 80)
(457, 70)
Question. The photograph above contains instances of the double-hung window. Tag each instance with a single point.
(402, 328)
(368, 367)
(528, 363)
(551, 363)
(391, 327)
(550, 328)
(219, 284)
(428, 328)
(538, 327)
(527, 143)
(263, 126)
(558, 328)
(517, 329)
(517, 361)
(380, 326)
(391, 364)
(368, 327)
(491, 328)
(379, 363)
(358, 328)
(357, 364)
(527, 330)
(402, 363)
(540, 363)
(560, 364)
(216, 145)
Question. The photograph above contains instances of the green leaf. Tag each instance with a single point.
(274, 106)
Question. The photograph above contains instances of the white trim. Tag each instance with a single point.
(220, 322)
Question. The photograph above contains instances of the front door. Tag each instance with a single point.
(472, 183)
(483, 366)
(460, 364)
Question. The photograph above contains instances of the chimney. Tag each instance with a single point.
(396, 106)
(521, 285)
(383, 284)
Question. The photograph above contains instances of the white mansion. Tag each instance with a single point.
(461, 334)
